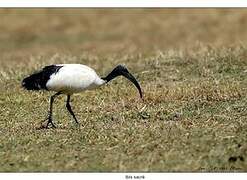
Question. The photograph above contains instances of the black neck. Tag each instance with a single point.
(121, 70)
(117, 71)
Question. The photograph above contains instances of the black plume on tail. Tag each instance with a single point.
(38, 80)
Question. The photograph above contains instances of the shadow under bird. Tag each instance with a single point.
(69, 79)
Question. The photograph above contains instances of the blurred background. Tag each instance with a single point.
(107, 31)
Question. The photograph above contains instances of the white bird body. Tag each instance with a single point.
(69, 79)
(73, 78)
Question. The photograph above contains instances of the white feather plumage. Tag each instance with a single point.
(74, 78)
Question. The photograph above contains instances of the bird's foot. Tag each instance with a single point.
(76, 122)
(50, 122)
(46, 125)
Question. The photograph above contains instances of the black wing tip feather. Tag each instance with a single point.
(38, 80)
(31, 82)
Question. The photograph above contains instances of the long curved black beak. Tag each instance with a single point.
(133, 80)
(121, 70)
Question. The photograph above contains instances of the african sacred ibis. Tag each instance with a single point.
(69, 79)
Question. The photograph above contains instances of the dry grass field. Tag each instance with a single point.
(191, 64)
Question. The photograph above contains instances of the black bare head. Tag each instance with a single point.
(121, 70)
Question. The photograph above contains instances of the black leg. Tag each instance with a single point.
(69, 109)
(50, 111)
